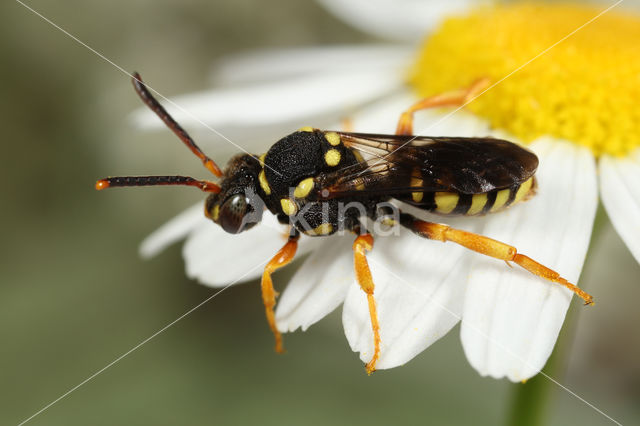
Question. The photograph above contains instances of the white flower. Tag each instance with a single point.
(510, 318)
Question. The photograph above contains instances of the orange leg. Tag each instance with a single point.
(488, 247)
(362, 244)
(284, 256)
(454, 98)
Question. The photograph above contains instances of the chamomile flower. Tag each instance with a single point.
(575, 106)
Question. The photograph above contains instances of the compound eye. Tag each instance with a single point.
(232, 214)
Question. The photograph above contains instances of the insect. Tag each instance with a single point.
(322, 182)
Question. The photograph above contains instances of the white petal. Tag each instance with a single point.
(511, 319)
(380, 116)
(318, 287)
(395, 19)
(294, 101)
(216, 258)
(173, 231)
(280, 64)
(419, 293)
(620, 192)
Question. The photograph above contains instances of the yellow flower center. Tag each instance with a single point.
(585, 89)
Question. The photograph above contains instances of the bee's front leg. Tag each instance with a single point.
(282, 258)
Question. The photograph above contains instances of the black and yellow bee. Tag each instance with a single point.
(322, 182)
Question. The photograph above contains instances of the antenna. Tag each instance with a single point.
(204, 185)
(155, 106)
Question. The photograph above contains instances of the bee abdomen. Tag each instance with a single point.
(453, 203)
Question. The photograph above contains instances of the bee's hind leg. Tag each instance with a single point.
(488, 247)
(454, 98)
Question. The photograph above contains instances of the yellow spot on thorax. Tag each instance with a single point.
(323, 229)
(263, 182)
(387, 221)
(216, 212)
(306, 129)
(332, 157)
(304, 188)
(585, 89)
(288, 207)
(333, 138)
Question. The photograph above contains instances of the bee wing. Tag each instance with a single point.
(397, 164)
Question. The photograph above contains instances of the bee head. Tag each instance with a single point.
(237, 207)
(234, 202)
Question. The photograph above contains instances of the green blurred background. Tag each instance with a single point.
(74, 295)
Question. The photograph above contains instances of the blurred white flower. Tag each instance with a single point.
(510, 318)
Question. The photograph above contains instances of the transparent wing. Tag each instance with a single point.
(396, 164)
